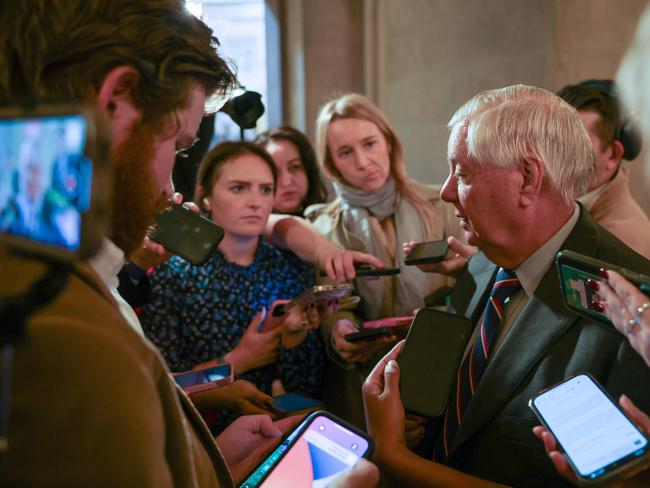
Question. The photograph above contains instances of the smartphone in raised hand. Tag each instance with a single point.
(600, 442)
(427, 252)
(187, 234)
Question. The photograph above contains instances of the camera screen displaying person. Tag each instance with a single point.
(46, 181)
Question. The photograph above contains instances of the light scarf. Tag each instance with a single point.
(357, 207)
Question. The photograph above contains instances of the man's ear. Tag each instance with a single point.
(614, 159)
(115, 97)
(532, 172)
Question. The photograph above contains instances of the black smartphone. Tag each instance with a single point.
(206, 378)
(55, 180)
(599, 440)
(369, 334)
(320, 450)
(430, 359)
(427, 252)
(293, 404)
(187, 234)
(366, 270)
(577, 269)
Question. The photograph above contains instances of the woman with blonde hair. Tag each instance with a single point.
(377, 208)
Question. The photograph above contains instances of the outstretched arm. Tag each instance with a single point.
(297, 235)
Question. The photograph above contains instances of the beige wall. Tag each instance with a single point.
(431, 55)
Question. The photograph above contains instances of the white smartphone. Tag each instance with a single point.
(600, 442)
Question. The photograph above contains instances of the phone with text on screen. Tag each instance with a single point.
(600, 442)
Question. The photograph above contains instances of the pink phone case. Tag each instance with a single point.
(388, 322)
(275, 316)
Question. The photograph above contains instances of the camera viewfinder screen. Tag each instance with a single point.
(45, 179)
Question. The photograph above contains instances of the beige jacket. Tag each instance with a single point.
(619, 213)
(93, 403)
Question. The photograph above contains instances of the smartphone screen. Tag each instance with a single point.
(576, 270)
(200, 377)
(593, 432)
(577, 294)
(46, 179)
(317, 453)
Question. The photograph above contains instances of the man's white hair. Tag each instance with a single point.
(512, 124)
(633, 78)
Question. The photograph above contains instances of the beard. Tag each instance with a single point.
(135, 196)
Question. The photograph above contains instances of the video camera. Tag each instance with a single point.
(55, 180)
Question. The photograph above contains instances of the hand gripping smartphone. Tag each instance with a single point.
(400, 325)
(430, 359)
(187, 234)
(276, 315)
(321, 449)
(294, 404)
(600, 442)
(427, 252)
(576, 269)
(206, 378)
(369, 334)
(55, 180)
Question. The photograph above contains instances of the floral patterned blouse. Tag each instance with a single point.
(198, 313)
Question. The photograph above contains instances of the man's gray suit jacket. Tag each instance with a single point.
(546, 344)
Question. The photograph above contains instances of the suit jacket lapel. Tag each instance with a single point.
(476, 285)
(541, 323)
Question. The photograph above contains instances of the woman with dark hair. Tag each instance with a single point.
(299, 183)
(204, 315)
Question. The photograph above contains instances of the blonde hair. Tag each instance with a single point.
(355, 106)
(511, 124)
(633, 78)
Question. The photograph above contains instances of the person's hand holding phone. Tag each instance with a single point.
(151, 253)
(562, 466)
(355, 352)
(255, 349)
(339, 263)
(241, 396)
(385, 416)
(248, 440)
(299, 320)
(454, 264)
(627, 307)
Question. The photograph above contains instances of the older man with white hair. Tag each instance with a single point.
(518, 159)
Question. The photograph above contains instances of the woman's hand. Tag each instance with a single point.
(240, 396)
(249, 439)
(629, 310)
(356, 352)
(452, 266)
(297, 324)
(385, 416)
(562, 465)
(339, 263)
(255, 349)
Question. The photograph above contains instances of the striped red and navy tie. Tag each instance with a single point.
(475, 362)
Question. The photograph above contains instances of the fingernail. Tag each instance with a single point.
(392, 367)
(597, 306)
(603, 272)
(593, 284)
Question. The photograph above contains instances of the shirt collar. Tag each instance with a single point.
(108, 262)
(532, 270)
